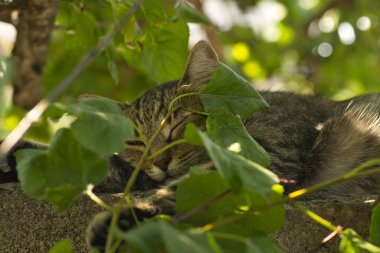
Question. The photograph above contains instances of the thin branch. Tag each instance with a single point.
(35, 113)
(327, 239)
(290, 198)
(96, 199)
(169, 146)
(364, 215)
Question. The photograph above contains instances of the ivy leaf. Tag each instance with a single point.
(164, 51)
(64, 246)
(229, 91)
(353, 243)
(154, 12)
(112, 68)
(375, 226)
(187, 12)
(260, 244)
(239, 172)
(191, 135)
(100, 125)
(161, 235)
(201, 186)
(227, 131)
(61, 173)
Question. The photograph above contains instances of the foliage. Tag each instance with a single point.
(294, 51)
(375, 226)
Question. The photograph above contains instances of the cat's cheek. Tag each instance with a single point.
(175, 168)
(155, 173)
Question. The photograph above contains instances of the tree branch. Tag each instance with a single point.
(34, 27)
(34, 114)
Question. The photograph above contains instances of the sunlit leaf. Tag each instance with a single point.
(165, 51)
(203, 186)
(239, 172)
(187, 12)
(154, 12)
(230, 92)
(227, 131)
(353, 243)
(64, 246)
(375, 226)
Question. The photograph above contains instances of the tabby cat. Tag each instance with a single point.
(309, 139)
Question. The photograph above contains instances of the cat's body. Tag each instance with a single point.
(309, 139)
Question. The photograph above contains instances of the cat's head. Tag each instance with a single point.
(149, 110)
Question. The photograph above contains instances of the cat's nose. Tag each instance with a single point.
(162, 162)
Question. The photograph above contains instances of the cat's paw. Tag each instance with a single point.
(97, 231)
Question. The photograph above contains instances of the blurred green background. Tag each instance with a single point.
(307, 46)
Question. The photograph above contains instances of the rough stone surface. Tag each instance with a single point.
(28, 225)
(301, 235)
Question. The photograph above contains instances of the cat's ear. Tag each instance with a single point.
(200, 65)
(83, 97)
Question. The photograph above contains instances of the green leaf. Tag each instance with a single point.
(164, 52)
(374, 234)
(260, 244)
(60, 174)
(201, 186)
(154, 12)
(112, 68)
(161, 235)
(100, 125)
(353, 243)
(191, 135)
(187, 12)
(227, 131)
(228, 91)
(64, 246)
(190, 242)
(161, 52)
(239, 172)
(137, 239)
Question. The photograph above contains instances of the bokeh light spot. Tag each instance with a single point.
(240, 52)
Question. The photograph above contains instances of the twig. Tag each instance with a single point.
(327, 239)
(96, 199)
(290, 198)
(35, 113)
(354, 220)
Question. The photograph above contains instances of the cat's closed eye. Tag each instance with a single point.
(176, 131)
(135, 143)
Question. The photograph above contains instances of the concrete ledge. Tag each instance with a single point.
(27, 225)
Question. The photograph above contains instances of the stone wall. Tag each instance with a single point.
(27, 225)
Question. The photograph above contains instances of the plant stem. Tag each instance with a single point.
(119, 207)
(179, 97)
(290, 198)
(170, 145)
(327, 224)
(96, 199)
(196, 112)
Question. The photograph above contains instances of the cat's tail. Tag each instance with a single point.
(345, 142)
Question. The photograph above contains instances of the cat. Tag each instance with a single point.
(309, 139)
